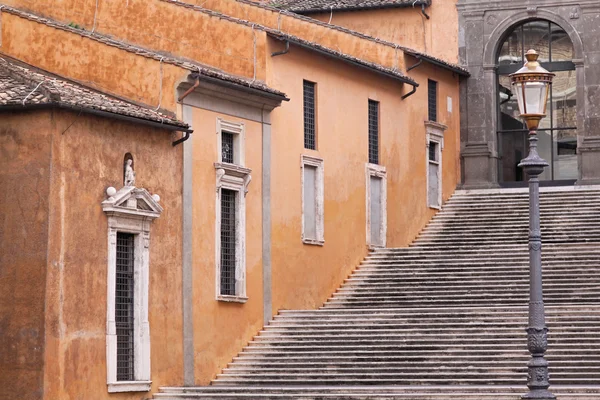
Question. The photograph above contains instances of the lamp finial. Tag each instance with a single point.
(532, 55)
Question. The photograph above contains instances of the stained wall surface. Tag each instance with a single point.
(304, 276)
(437, 36)
(221, 329)
(25, 168)
(60, 166)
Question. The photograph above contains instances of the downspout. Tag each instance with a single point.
(190, 90)
(183, 139)
(180, 100)
(413, 91)
(284, 51)
(416, 65)
(423, 11)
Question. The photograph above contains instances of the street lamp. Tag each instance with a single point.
(531, 84)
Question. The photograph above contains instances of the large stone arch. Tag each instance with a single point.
(491, 48)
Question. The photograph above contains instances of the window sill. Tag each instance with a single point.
(436, 207)
(129, 386)
(232, 299)
(314, 242)
(435, 124)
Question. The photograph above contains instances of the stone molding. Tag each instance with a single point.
(236, 178)
(320, 199)
(378, 171)
(130, 210)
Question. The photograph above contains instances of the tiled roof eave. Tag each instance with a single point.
(390, 73)
(166, 124)
(320, 10)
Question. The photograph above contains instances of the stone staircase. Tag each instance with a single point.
(443, 319)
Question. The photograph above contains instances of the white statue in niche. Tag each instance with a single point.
(129, 174)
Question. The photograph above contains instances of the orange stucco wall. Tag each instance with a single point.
(162, 25)
(63, 275)
(437, 36)
(304, 276)
(93, 63)
(177, 29)
(25, 144)
(221, 329)
(335, 39)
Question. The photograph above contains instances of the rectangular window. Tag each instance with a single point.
(228, 242)
(124, 318)
(432, 100)
(312, 200)
(434, 177)
(376, 205)
(227, 149)
(310, 135)
(231, 138)
(433, 156)
(373, 132)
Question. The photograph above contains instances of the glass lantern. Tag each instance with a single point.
(531, 86)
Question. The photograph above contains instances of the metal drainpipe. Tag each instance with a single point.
(183, 139)
(414, 89)
(284, 51)
(190, 90)
(180, 100)
(423, 11)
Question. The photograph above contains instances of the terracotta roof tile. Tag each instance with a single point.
(312, 6)
(24, 86)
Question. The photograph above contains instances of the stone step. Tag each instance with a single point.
(398, 392)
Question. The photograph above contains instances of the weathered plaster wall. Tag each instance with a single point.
(88, 158)
(25, 146)
(162, 25)
(173, 27)
(304, 276)
(222, 329)
(93, 63)
(408, 27)
(304, 28)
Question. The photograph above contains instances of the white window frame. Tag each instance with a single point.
(379, 172)
(130, 210)
(435, 134)
(319, 193)
(236, 178)
(239, 140)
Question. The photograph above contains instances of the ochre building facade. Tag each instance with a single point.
(312, 143)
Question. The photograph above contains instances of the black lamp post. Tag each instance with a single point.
(531, 84)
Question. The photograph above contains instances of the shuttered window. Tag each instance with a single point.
(432, 99)
(228, 239)
(310, 135)
(373, 132)
(124, 318)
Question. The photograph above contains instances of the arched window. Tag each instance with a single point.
(558, 131)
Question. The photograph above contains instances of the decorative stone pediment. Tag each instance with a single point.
(435, 131)
(133, 202)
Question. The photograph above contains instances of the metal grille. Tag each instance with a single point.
(432, 99)
(124, 306)
(227, 147)
(228, 217)
(310, 141)
(373, 132)
(433, 151)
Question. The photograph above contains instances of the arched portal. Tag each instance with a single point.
(558, 131)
